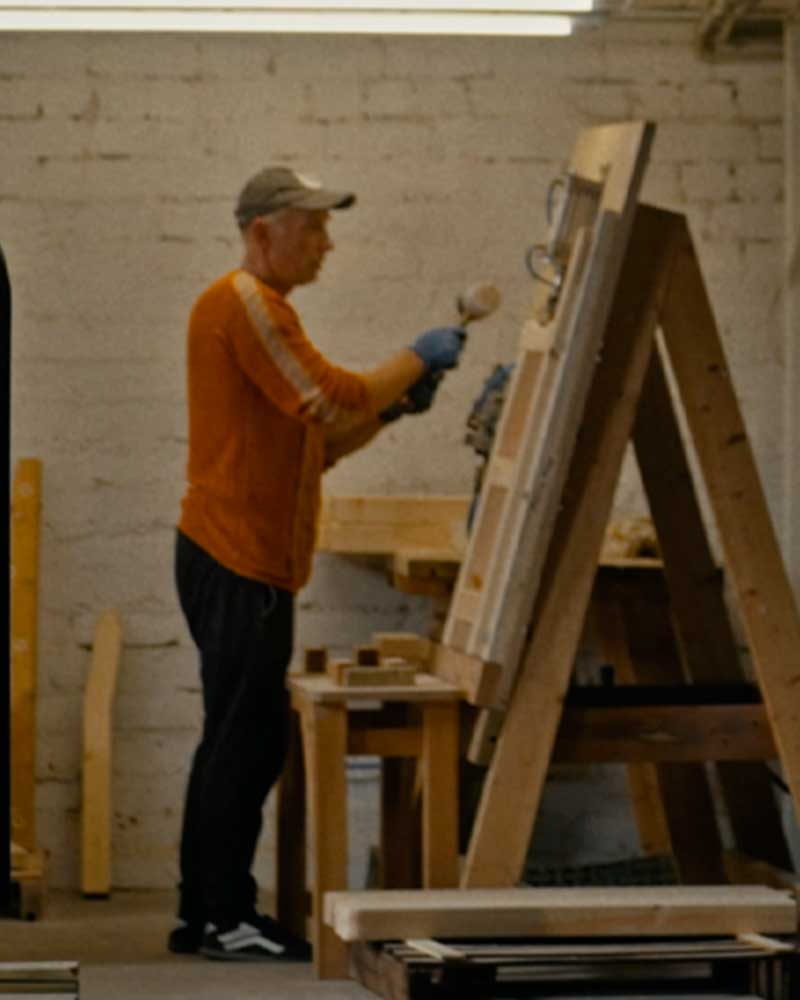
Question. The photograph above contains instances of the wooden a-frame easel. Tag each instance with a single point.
(660, 286)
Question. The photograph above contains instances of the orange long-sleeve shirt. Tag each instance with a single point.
(260, 395)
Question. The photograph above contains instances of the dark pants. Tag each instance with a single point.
(243, 630)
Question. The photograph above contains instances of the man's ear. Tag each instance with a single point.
(261, 231)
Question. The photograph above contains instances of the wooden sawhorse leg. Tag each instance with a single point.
(324, 730)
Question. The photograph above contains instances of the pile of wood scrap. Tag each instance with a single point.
(390, 659)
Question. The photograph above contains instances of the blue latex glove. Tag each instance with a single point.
(440, 348)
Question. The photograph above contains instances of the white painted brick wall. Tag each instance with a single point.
(121, 157)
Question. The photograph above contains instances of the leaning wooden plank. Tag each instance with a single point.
(518, 544)
(26, 503)
(756, 571)
(699, 610)
(510, 599)
(582, 912)
(97, 746)
(538, 366)
(616, 155)
(511, 793)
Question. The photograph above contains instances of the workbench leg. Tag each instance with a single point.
(440, 730)
(325, 749)
(400, 824)
(291, 903)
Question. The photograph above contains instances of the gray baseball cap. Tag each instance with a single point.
(274, 188)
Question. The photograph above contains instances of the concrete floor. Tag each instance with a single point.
(120, 945)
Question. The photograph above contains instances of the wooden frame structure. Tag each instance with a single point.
(499, 577)
(660, 286)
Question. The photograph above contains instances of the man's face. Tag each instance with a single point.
(297, 242)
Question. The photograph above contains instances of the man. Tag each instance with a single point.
(267, 414)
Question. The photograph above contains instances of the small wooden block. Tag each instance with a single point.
(315, 660)
(367, 656)
(407, 645)
(336, 669)
(379, 676)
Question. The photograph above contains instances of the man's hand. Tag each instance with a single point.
(440, 348)
(422, 393)
(417, 399)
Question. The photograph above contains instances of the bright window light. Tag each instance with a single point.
(419, 17)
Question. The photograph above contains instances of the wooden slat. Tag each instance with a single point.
(755, 567)
(666, 733)
(322, 690)
(554, 411)
(511, 794)
(325, 745)
(26, 500)
(701, 616)
(97, 752)
(440, 736)
(383, 524)
(537, 427)
(643, 911)
(621, 155)
(384, 742)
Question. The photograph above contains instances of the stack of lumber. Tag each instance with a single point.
(51, 979)
(479, 943)
(666, 968)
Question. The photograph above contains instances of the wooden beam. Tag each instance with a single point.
(26, 502)
(701, 617)
(755, 568)
(664, 733)
(512, 791)
(440, 738)
(644, 911)
(384, 524)
(98, 705)
(324, 731)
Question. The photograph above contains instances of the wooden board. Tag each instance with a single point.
(97, 752)
(26, 501)
(42, 979)
(497, 585)
(752, 554)
(581, 912)
(384, 524)
(322, 690)
(512, 791)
